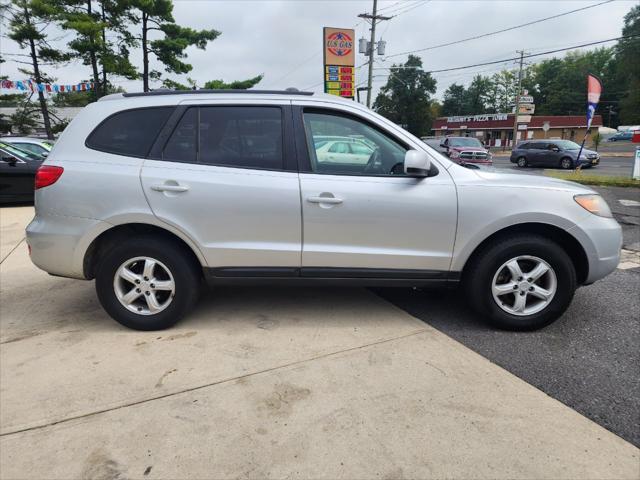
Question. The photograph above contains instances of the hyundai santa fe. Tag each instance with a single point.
(150, 194)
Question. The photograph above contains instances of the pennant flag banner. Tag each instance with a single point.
(31, 86)
(594, 89)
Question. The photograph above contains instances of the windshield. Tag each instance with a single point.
(21, 154)
(567, 145)
(465, 142)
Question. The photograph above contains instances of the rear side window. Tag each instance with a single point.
(244, 137)
(248, 137)
(130, 132)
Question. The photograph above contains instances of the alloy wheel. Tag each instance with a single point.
(524, 285)
(144, 285)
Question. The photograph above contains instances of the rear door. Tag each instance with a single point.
(537, 154)
(226, 176)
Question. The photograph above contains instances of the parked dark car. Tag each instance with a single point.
(621, 137)
(17, 174)
(553, 154)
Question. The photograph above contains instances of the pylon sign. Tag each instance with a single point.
(339, 60)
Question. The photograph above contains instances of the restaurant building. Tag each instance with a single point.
(496, 129)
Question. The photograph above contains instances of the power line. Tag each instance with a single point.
(534, 54)
(500, 31)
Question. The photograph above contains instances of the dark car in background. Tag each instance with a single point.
(17, 174)
(621, 137)
(553, 154)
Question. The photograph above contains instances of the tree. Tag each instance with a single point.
(214, 84)
(90, 23)
(453, 101)
(169, 49)
(406, 97)
(235, 85)
(628, 68)
(28, 22)
(477, 96)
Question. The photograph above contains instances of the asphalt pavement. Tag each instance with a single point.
(589, 359)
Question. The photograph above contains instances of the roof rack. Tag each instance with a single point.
(291, 91)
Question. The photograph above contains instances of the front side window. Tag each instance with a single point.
(368, 151)
(130, 132)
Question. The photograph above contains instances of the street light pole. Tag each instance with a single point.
(517, 103)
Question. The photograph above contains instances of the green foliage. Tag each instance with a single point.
(235, 85)
(558, 85)
(213, 84)
(628, 68)
(155, 16)
(594, 179)
(406, 97)
(596, 138)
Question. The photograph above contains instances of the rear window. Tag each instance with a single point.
(130, 132)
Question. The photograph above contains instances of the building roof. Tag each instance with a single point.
(555, 121)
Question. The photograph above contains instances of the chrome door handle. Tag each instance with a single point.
(332, 200)
(169, 188)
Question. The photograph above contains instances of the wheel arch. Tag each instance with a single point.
(567, 242)
(100, 245)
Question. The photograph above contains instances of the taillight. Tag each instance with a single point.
(47, 175)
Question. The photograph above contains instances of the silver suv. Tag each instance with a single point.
(152, 193)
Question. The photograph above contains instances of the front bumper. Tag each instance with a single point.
(58, 243)
(601, 239)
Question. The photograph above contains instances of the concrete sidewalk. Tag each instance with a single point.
(300, 383)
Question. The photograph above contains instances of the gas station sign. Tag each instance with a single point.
(339, 60)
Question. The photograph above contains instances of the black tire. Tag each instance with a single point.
(478, 279)
(181, 265)
(522, 162)
(566, 163)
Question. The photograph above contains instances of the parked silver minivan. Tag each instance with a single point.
(151, 193)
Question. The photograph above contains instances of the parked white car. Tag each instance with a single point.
(38, 146)
(151, 193)
(343, 151)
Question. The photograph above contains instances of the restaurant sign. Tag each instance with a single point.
(477, 118)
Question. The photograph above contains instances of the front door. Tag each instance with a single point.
(366, 217)
(222, 179)
(16, 177)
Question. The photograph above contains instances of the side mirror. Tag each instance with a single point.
(417, 163)
(10, 160)
(555, 149)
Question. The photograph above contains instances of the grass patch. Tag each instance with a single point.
(592, 179)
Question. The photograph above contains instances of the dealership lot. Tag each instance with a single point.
(333, 383)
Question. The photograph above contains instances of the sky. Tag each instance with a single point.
(282, 39)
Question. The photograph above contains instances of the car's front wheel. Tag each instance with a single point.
(147, 283)
(566, 163)
(521, 282)
(522, 162)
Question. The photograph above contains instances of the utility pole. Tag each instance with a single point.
(374, 19)
(517, 108)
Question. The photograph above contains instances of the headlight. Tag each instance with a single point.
(454, 154)
(595, 204)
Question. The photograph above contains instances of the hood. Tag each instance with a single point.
(505, 179)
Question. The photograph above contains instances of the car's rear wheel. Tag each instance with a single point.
(566, 163)
(147, 283)
(521, 162)
(521, 282)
